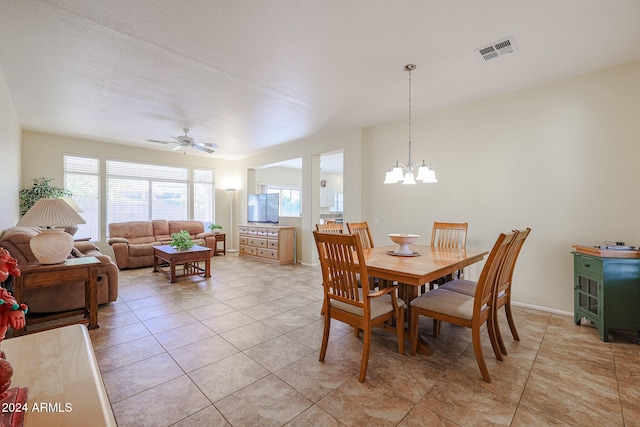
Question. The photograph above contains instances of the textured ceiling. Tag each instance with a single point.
(248, 75)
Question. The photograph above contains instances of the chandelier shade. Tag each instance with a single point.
(404, 174)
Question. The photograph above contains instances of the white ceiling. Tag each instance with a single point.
(248, 74)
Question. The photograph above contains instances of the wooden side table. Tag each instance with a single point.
(35, 275)
(220, 237)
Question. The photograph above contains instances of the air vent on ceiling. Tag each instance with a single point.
(496, 49)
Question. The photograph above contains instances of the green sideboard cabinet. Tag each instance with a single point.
(607, 291)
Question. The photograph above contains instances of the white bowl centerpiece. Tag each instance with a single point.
(403, 240)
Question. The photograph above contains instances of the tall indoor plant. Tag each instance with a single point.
(41, 188)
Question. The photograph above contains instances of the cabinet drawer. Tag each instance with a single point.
(588, 265)
(272, 244)
(263, 232)
(268, 253)
(260, 243)
(244, 230)
(273, 233)
(244, 240)
(249, 250)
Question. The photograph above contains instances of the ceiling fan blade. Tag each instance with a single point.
(176, 148)
(206, 144)
(201, 148)
(160, 142)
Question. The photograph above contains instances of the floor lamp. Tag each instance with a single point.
(231, 191)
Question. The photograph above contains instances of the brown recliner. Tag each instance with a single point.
(64, 297)
(133, 241)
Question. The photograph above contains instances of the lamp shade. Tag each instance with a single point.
(51, 246)
(50, 213)
(72, 203)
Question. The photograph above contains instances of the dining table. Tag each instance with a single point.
(426, 264)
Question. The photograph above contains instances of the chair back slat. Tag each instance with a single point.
(361, 229)
(449, 235)
(340, 273)
(489, 275)
(330, 228)
(506, 270)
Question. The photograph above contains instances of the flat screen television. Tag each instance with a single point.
(263, 208)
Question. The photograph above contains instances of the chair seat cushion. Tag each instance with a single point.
(379, 306)
(446, 302)
(461, 286)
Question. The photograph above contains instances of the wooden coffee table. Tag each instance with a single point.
(166, 258)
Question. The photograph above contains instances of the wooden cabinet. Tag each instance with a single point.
(267, 243)
(607, 292)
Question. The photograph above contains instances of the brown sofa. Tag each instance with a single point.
(133, 241)
(63, 297)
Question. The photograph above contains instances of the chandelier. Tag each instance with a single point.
(405, 173)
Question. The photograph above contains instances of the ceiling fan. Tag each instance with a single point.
(186, 141)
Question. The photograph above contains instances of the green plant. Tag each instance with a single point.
(181, 240)
(41, 188)
(215, 227)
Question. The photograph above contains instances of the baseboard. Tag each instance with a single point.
(537, 307)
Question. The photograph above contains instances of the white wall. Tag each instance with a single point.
(561, 158)
(10, 144)
(42, 157)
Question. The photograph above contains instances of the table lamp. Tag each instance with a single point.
(51, 246)
(72, 229)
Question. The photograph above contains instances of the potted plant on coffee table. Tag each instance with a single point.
(181, 240)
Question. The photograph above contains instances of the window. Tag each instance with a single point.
(203, 196)
(339, 204)
(82, 178)
(290, 200)
(143, 192)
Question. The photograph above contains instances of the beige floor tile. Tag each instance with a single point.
(571, 404)
(140, 376)
(170, 321)
(315, 379)
(467, 404)
(227, 322)
(226, 376)
(162, 405)
(207, 417)
(110, 358)
(267, 402)
(184, 335)
(278, 352)
(314, 417)
(216, 308)
(159, 310)
(527, 417)
(105, 337)
(249, 335)
(368, 403)
(287, 321)
(201, 353)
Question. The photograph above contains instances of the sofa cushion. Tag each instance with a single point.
(142, 250)
(192, 227)
(134, 231)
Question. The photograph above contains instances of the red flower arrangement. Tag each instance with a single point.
(8, 265)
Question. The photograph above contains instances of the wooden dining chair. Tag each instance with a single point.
(361, 229)
(503, 286)
(330, 227)
(344, 301)
(444, 305)
(448, 235)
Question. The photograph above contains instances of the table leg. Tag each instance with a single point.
(93, 298)
(410, 292)
(155, 263)
(207, 267)
(172, 272)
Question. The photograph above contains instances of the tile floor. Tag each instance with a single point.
(241, 349)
